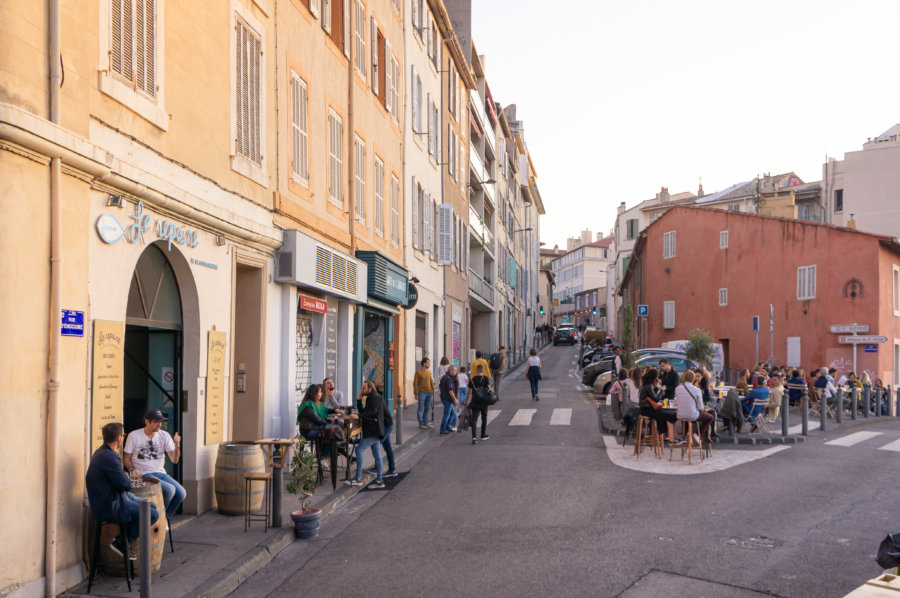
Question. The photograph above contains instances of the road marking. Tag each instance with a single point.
(891, 446)
(522, 417)
(720, 460)
(852, 439)
(813, 425)
(561, 417)
(492, 415)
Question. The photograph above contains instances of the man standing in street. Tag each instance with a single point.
(668, 378)
(423, 386)
(498, 368)
(145, 455)
(449, 387)
(108, 490)
(618, 359)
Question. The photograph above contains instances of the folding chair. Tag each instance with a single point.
(756, 418)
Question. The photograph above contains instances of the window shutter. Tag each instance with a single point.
(373, 49)
(395, 211)
(428, 120)
(326, 15)
(388, 77)
(427, 223)
(445, 233)
(348, 34)
(811, 282)
(145, 50)
(415, 214)
(378, 184)
(395, 85)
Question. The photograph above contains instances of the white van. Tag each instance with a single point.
(718, 362)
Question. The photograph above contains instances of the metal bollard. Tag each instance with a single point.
(878, 402)
(823, 410)
(804, 412)
(867, 400)
(839, 407)
(398, 419)
(785, 411)
(897, 404)
(854, 404)
(145, 547)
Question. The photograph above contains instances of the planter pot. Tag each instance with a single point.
(306, 525)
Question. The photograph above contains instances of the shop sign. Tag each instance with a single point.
(111, 230)
(331, 339)
(215, 387)
(72, 323)
(412, 295)
(313, 304)
(108, 373)
(387, 280)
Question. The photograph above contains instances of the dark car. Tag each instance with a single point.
(676, 358)
(565, 335)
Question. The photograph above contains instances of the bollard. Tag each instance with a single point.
(804, 412)
(398, 419)
(878, 402)
(854, 403)
(839, 407)
(145, 547)
(897, 404)
(823, 409)
(785, 411)
(867, 400)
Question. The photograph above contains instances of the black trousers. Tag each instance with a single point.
(475, 410)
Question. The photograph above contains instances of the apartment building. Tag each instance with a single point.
(582, 268)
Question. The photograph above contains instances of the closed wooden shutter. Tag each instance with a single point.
(379, 197)
(414, 190)
(395, 211)
(299, 130)
(359, 159)
(427, 223)
(388, 78)
(248, 49)
(445, 233)
(335, 159)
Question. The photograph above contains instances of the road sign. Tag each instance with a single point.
(643, 310)
(870, 348)
(861, 340)
(72, 323)
(848, 328)
(755, 323)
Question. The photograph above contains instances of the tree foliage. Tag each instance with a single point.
(701, 348)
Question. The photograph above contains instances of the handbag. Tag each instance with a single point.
(332, 432)
(889, 552)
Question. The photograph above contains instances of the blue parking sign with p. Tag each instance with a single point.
(643, 310)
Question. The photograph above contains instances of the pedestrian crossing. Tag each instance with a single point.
(526, 417)
(858, 438)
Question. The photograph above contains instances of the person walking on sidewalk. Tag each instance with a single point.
(423, 385)
(498, 368)
(375, 418)
(534, 373)
(479, 384)
(449, 388)
(481, 361)
(145, 455)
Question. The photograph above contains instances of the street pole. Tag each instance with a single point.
(771, 334)
(145, 547)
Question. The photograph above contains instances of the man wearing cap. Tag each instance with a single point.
(145, 456)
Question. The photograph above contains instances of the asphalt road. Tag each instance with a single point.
(540, 509)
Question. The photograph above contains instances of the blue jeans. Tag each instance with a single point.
(534, 386)
(454, 417)
(373, 442)
(449, 411)
(173, 492)
(424, 404)
(133, 527)
(388, 449)
(326, 445)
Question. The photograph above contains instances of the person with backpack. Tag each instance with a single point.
(497, 366)
(480, 361)
(478, 401)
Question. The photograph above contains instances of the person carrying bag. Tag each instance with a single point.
(481, 396)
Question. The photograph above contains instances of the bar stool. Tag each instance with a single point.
(249, 515)
(95, 552)
(646, 434)
(686, 426)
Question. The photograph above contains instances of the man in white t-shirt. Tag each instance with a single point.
(145, 456)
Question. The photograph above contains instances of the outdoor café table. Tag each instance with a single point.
(352, 434)
(276, 451)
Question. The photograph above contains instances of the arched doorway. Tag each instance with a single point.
(154, 345)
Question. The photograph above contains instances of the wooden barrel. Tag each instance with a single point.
(112, 562)
(235, 459)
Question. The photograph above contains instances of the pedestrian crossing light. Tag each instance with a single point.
(542, 310)
(594, 311)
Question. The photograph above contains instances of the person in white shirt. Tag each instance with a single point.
(689, 405)
(145, 456)
(334, 399)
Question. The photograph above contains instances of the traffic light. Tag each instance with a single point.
(594, 312)
(542, 310)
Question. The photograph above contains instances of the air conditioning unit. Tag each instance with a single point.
(304, 261)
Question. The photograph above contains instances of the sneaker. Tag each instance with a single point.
(377, 484)
(354, 483)
(454, 429)
(115, 549)
(474, 441)
(485, 437)
(679, 442)
(445, 432)
(423, 427)
(390, 474)
(132, 555)
(696, 439)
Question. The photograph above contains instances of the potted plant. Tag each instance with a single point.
(304, 470)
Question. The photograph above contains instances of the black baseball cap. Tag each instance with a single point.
(156, 415)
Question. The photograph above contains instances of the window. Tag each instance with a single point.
(359, 165)
(838, 200)
(723, 297)
(335, 159)
(631, 227)
(895, 279)
(373, 60)
(723, 239)
(427, 223)
(735, 207)
(299, 130)
(248, 50)
(417, 15)
(806, 283)
(416, 93)
(451, 89)
(395, 211)
(326, 16)
(668, 315)
(360, 36)
(669, 245)
(803, 212)
(379, 197)
(416, 193)
(394, 98)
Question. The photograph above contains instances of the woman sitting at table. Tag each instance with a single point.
(689, 404)
(651, 397)
(741, 386)
(312, 417)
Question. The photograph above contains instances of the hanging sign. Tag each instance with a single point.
(107, 388)
(412, 296)
(215, 387)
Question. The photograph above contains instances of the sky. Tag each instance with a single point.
(622, 98)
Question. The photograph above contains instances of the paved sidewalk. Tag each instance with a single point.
(213, 555)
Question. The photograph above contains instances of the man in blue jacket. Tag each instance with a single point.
(108, 489)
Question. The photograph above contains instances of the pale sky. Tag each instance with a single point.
(622, 98)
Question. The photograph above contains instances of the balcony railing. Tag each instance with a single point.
(481, 287)
(476, 165)
(482, 231)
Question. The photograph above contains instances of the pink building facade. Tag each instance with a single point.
(716, 270)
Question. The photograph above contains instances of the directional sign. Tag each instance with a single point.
(848, 328)
(861, 340)
(643, 310)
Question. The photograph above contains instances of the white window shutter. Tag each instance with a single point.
(373, 45)
(427, 224)
(428, 119)
(415, 213)
(348, 33)
(314, 7)
(445, 233)
(388, 77)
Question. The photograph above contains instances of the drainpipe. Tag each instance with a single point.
(351, 147)
(52, 489)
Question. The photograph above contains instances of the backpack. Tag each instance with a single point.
(496, 361)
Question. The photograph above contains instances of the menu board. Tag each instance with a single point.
(215, 387)
(331, 347)
(107, 390)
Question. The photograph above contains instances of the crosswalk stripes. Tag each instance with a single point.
(561, 417)
(525, 417)
(492, 415)
(522, 417)
(852, 439)
(891, 446)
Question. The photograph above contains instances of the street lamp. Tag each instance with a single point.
(479, 183)
(519, 230)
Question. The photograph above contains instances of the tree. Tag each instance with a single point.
(628, 332)
(701, 348)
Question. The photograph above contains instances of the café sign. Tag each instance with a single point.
(111, 230)
(313, 304)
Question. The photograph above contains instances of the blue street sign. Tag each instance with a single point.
(870, 348)
(643, 310)
(755, 323)
(72, 323)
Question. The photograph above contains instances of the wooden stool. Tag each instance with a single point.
(266, 479)
(95, 553)
(646, 434)
(687, 434)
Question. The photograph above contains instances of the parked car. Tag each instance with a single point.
(605, 379)
(565, 335)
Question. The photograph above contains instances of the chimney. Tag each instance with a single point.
(663, 195)
(600, 236)
(700, 191)
(586, 235)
